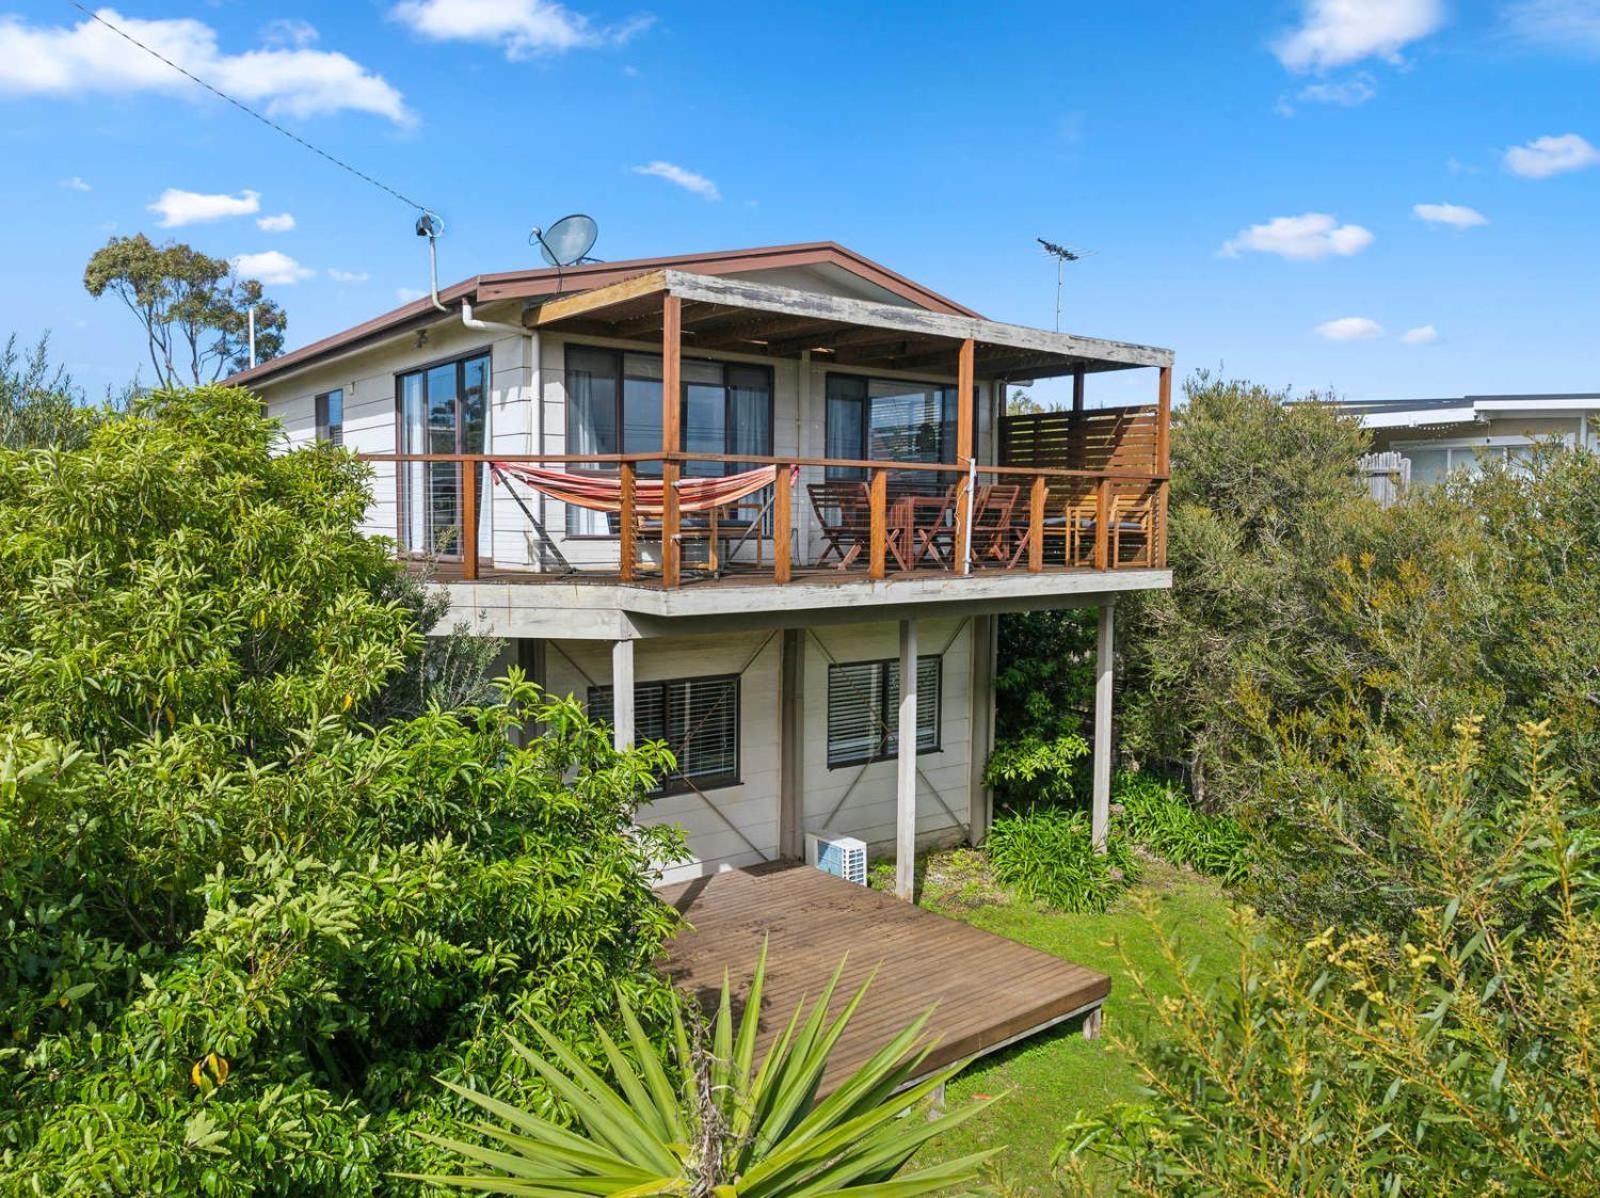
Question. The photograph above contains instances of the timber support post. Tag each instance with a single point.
(905, 821)
(1104, 680)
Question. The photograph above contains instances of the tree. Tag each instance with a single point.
(194, 313)
(40, 405)
(1263, 503)
(1456, 1059)
(245, 921)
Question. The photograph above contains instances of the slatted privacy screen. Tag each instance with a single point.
(863, 709)
(1098, 439)
(697, 717)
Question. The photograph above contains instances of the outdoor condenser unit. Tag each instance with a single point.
(843, 856)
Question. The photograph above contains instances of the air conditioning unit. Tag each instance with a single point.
(843, 856)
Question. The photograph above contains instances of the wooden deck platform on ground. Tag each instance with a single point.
(987, 991)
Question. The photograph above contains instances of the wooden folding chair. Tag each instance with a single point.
(843, 517)
(992, 532)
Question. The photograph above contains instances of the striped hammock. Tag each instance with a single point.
(599, 493)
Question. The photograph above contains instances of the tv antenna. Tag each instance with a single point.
(1062, 254)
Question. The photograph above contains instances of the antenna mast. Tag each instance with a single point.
(1062, 255)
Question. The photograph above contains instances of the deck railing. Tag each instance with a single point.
(871, 517)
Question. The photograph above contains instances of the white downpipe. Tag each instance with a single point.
(972, 487)
(490, 326)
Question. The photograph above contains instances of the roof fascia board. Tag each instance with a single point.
(768, 297)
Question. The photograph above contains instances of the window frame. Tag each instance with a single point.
(620, 357)
(325, 427)
(679, 783)
(887, 714)
(864, 422)
(459, 361)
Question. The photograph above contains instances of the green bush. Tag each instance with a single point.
(1046, 855)
(244, 928)
(1161, 818)
(1457, 1058)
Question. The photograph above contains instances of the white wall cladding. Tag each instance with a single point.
(752, 806)
(859, 800)
(856, 800)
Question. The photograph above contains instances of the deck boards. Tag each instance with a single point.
(987, 991)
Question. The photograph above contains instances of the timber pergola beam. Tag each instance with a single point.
(791, 320)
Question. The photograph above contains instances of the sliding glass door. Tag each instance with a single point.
(442, 409)
(890, 420)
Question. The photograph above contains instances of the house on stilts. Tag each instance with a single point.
(767, 505)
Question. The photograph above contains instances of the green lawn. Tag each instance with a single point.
(1053, 1075)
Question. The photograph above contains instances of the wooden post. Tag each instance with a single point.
(671, 437)
(1075, 436)
(782, 523)
(877, 523)
(981, 715)
(1036, 501)
(964, 386)
(1102, 524)
(1158, 551)
(626, 527)
(622, 694)
(469, 521)
(905, 819)
(1104, 667)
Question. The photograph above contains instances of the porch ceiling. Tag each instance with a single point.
(739, 315)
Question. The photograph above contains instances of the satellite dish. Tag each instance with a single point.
(567, 241)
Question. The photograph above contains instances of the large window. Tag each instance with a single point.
(442, 409)
(330, 416)
(697, 717)
(888, 420)
(614, 406)
(1432, 462)
(863, 710)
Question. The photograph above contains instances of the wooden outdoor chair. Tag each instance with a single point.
(843, 513)
(993, 531)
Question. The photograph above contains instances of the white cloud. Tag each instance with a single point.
(271, 266)
(1347, 94)
(87, 59)
(177, 207)
(406, 294)
(522, 28)
(1334, 33)
(1566, 25)
(1350, 328)
(1546, 156)
(681, 177)
(75, 184)
(280, 223)
(1422, 335)
(1457, 216)
(348, 276)
(1302, 238)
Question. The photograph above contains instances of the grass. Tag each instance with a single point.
(1051, 1076)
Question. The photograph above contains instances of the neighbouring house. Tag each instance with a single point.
(1416, 442)
(766, 505)
(833, 489)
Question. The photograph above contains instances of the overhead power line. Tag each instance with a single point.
(245, 108)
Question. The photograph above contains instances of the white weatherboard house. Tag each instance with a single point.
(765, 505)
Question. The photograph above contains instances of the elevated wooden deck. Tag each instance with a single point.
(987, 991)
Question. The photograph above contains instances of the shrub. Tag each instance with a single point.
(1156, 815)
(1456, 1059)
(707, 1118)
(243, 927)
(1029, 769)
(1046, 855)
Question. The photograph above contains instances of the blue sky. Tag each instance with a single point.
(1247, 176)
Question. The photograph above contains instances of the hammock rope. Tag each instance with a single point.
(599, 493)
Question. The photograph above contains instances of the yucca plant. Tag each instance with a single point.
(704, 1120)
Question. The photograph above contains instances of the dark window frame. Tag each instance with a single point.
(460, 361)
(621, 356)
(327, 429)
(887, 715)
(684, 783)
(864, 423)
